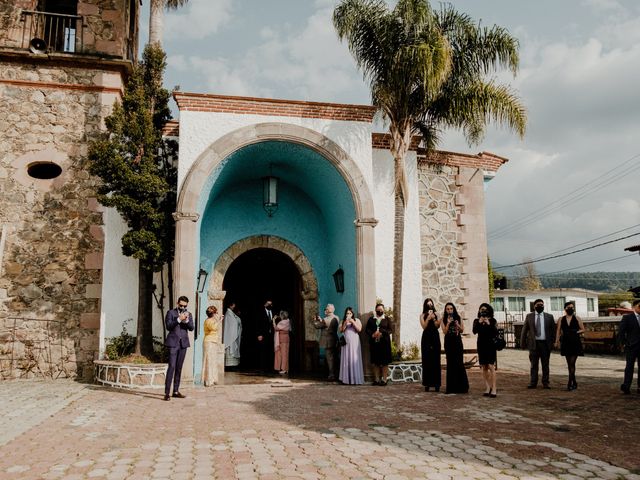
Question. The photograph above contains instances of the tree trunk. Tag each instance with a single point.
(156, 21)
(400, 140)
(144, 331)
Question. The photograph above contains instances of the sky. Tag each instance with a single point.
(571, 180)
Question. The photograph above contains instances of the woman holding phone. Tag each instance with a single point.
(430, 346)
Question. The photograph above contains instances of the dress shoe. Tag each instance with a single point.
(531, 385)
(486, 394)
(375, 383)
(626, 390)
(546, 386)
(493, 395)
(167, 398)
(179, 395)
(382, 383)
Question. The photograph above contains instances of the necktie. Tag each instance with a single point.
(538, 326)
(269, 312)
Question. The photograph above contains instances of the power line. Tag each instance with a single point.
(568, 253)
(588, 241)
(575, 268)
(577, 194)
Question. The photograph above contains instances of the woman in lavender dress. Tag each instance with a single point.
(351, 372)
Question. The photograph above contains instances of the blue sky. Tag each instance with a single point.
(580, 65)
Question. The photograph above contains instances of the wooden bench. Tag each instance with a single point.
(605, 340)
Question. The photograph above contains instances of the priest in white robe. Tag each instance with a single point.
(231, 337)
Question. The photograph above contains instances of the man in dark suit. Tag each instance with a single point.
(629, 336)
(537, 336)
(264, 329)
(179, 323)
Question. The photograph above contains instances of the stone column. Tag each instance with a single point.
(185, 271)
(366, 271)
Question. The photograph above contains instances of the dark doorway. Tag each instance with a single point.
(254, 277)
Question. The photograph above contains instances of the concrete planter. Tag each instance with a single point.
(130, 375)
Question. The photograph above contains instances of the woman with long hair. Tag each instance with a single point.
(430, 347)
(351, 371)
(281, 329)
(452, 326)
(210, 346)
(486, 327)
(568, 338)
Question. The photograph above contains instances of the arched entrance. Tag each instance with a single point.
(252, 278)
(326, 208)
(267, 265)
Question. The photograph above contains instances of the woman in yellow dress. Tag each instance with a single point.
(211, 346)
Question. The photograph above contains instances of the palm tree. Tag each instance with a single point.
(156, 17)
(426, 72)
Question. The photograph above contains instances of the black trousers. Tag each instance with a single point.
(633, 357)
(541, 354)
(176, 359)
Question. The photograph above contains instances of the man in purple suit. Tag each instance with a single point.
(179, 323)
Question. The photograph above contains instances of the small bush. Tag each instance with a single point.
(410, 351)
(122, 345)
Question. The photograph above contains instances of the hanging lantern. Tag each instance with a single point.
(270, 194)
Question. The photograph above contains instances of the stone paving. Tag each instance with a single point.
(312, 430)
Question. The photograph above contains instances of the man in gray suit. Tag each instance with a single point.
(328, 340)
(629, 336)
(538, 333)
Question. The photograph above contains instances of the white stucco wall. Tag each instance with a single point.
(198, 130)
(119, 279)
(383, 177)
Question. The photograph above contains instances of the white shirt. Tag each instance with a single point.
(543, 334)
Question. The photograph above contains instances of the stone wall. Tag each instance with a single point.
(442, 275)
(104, 28)
(51, 271)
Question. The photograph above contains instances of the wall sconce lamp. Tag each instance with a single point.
(338, 279)
(202, 280)
(270, 194)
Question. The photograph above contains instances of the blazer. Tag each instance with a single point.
(328, 334)
(265, 324)
(178, 335)
(629, 331)
(528, 335)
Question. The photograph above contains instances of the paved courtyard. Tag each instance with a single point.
(271, 429)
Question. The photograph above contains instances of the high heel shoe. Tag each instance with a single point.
(493, 394)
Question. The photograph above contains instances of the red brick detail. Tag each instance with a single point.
(67, 86)
(97, 232)
(90, 321)
(171, 129)
(94, 205)
(200, 102)
(484, 160)
(382, 141)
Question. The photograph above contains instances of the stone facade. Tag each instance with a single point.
(50, 275)
(441, 264)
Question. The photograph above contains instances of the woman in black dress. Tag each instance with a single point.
(568, 337)
(378, 330)
(486, 327)
(452, 326)
(430, 346)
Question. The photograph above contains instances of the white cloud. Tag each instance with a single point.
(198, 19)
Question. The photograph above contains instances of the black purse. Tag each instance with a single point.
(342, 341)
(499, 342)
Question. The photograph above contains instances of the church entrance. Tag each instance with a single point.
(252, 278)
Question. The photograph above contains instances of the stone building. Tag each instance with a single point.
(62, 65)
(327, 236)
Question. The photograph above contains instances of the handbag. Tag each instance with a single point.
(342, 341)
(499, 342)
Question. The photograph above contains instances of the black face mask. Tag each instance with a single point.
(484, 314)
(539, 308)
(570, 311)
(379, 314)
(268, 307)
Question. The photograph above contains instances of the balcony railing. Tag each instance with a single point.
(44, 32)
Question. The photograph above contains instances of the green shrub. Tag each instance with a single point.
(122, 345)
(411, 351)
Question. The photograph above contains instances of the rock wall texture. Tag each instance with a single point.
(50, 273)
(441, 262)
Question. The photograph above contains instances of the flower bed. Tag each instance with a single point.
(130, 375)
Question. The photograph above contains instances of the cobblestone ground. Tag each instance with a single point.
(309, 430)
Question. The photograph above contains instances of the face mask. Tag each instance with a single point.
(540, 308)
(570, 311)
(182, 309)
(268, 307)
(379, 314)
(484, 314)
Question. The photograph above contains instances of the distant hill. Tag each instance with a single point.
(599, 281)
